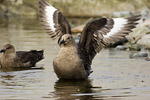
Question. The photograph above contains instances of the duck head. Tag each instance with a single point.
(66, 40)
(8, 48)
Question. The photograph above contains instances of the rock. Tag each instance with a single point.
(135, 47)
(139, 32)
(140, 37)
(145, 41)
(138, 55)
(129, 38)
(78, 29)
(121, 47)
(147, 59)
(146, 22)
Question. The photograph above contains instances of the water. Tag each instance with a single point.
(114, 76)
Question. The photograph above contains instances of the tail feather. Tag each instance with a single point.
(39, 54)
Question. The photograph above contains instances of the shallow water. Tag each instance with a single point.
(114, 76)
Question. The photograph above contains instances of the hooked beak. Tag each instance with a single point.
(1, 51)
(62, 42)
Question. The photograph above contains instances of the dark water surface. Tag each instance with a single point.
(114, 76)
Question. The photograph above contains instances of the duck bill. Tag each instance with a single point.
(2, 51)
(62, 42)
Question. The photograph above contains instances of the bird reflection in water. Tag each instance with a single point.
(9, 69)
(71, 90)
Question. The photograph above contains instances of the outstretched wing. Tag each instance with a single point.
(53, 21)
(101, 32)
(121, 28)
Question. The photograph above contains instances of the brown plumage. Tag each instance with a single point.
(75, 62)
(20, 59)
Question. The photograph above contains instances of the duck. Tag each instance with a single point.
(73, 61)
(11, 58)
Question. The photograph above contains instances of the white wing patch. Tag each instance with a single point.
(49, 14)
(118, 25)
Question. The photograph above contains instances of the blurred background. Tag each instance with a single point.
(22, 14)
(77, 8)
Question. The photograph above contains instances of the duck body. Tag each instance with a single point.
(68, 65)
(19, 59)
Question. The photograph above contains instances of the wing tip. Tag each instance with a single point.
(45, 3)
(134, 18)
(42, 2)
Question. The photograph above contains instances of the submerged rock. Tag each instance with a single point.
(121, 47)
(138, 55)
